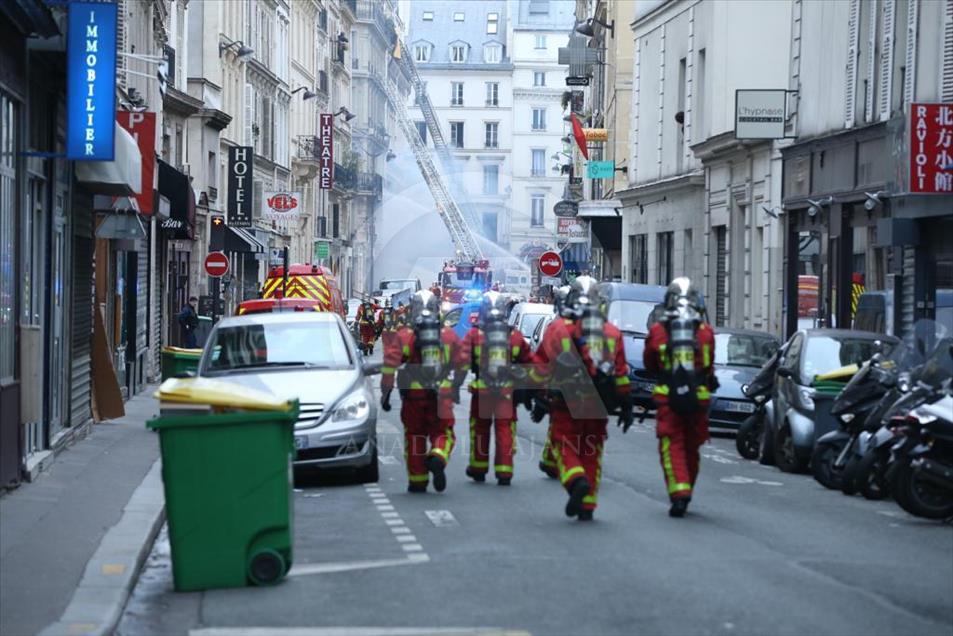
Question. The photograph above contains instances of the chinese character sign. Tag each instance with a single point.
(931, 148)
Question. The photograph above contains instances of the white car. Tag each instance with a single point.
(525, 316)
(309, 356)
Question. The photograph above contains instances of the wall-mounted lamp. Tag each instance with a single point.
(586, 27)
(242, 52)
(641, 206)
(817, 205)
(348, 115)
(774, 212)
(874, 199)
(308, 93)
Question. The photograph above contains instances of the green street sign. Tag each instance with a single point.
(322, 249)
(600, 169)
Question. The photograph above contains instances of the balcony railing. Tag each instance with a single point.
(307, 147)
(371, 10)
(344, 178)
(370, 183)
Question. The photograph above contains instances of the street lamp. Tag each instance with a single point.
(586, 27)
(308, 93)
(242, 52)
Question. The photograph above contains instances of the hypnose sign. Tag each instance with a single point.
(91, 81)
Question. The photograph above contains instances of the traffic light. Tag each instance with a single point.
(216, 234)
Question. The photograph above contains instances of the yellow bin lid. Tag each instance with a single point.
(216, 393)
(843, 373)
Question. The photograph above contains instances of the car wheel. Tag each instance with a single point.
(822, 465)
(748, 439)
(370, 474)
(767, 446)
(785, 453)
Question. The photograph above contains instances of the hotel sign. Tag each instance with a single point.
(91, 81)
(240, 186)
(326, 151)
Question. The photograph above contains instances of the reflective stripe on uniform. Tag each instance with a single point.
(417, 479)
(502, 469)
(406, 351)
(516, 351)
(673, 485)
(622, 380)
(568, 475)
(388, 370)
(706, 355)
(567, 345)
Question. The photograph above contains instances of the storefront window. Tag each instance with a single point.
(808, 280)
(9, 122)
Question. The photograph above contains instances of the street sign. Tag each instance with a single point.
(216, 264)
(573, 230)
(566, 208)
(600, 169)
(550, 264)
(577, 81)
(322, 249)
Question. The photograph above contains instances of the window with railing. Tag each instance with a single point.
(539, 119)
(539, 162)
(492, 93)
(456, 93)
(456, 134)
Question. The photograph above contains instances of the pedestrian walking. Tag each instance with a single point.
(679, 349)
(429, 378)
(188, 323)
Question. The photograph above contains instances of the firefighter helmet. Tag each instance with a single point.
(493, 307)
(424, 304)
(682, 295)
(583, 292)
(559, 299)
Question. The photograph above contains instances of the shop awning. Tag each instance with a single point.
(120, 177)
(599, 208)
(240, 240)
(121, 226)
(175, 186)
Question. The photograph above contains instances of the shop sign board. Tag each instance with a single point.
(240, 186)
(91, 81)
(931, 148)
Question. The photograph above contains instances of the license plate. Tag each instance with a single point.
(739, 407)
(301, 442)
(648, 387)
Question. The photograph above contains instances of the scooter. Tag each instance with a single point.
(749, 440)
(852, 407)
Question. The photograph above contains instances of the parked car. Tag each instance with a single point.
(537, 336)
(797, 419)
(632, 308)
(525, 316)
(739, 356)
(312, 357)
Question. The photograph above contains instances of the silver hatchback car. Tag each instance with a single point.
(309, 356)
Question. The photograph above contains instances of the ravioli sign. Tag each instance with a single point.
(91, 81)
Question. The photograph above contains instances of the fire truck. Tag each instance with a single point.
(306, 288)
(462, 281)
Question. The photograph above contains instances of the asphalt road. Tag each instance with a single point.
(761, 552)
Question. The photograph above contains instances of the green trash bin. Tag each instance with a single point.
(228, 483)
(177, 361)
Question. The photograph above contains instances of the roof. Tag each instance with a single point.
(849, 333)
(279, 317)
(744, 332)
(633, 291)
(535, 308)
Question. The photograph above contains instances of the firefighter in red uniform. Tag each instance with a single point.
(563, 324)
(429, 383)
(491, 349)
(586, 366)
(679, 349)
(387, 325)
(366, 322)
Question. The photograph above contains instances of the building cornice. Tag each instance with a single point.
(215, 118)
(725, 143)
(180, 102)
(540, 92)
(487, 68)
(695, 180)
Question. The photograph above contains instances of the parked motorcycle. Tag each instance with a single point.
(859, 401)
(749, 439)
(921, 477)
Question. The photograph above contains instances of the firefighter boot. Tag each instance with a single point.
(435, 466)
(550, 471)
(417, 488)
(578, 490)
(679, 507)
(475, 476)
(585, 515)
(504, 480)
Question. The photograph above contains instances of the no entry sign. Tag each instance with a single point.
(550, 264)
(216, 264)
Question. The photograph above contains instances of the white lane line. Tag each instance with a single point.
(356, 631)
(345, 566)
(405, 539)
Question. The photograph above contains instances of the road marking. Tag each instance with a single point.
(738, 479)
(356, 631)
(406, 538)
(387, 459)
(400, 530)
(441, 518)
(389, 515)
(309, 569)
(412, 547)
(394, 522)
(385, 508)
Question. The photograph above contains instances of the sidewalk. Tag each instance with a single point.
(80, 529)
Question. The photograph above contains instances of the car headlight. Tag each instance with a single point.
(806, 395)
(354, 407)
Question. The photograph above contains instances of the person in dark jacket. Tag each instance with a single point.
(189, 322)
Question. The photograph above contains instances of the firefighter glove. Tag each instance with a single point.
(385, 398)
(539, 411)
(713, 383)
(626, 416)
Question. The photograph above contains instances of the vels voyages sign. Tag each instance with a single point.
(239, 186)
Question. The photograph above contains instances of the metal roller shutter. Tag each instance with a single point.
(82, 318)
(908, 292)
(721, 274)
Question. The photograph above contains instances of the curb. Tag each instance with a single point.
(111, 573)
